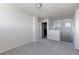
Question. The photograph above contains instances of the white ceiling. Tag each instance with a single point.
(50, 10)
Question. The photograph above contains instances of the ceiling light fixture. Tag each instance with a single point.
(38, 5)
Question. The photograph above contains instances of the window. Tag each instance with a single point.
(58, 24)
(68, 24)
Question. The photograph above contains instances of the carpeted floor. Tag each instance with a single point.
(44, 47)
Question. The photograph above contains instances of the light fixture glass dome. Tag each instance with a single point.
(38, 5)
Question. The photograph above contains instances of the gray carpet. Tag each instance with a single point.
(44, 47)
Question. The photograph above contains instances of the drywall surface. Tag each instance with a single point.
(35, 29)
(76, 29)
(16, 28)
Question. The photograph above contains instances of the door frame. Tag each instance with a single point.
(47, 21)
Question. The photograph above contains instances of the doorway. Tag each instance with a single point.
(44, 29)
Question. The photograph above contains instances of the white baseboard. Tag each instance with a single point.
(14, 47)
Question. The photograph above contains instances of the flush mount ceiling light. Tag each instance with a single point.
(38, 5)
